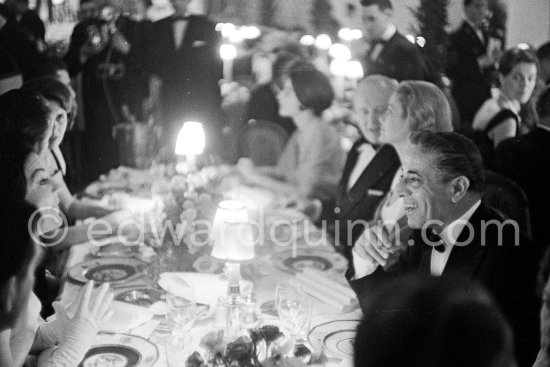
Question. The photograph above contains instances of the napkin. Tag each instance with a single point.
(126, 317)
(207, 288)
(330, 292)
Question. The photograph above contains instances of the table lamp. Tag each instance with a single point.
(190, 143)
(232, 242)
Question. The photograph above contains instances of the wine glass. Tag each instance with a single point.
(293, 307)
(181, 310)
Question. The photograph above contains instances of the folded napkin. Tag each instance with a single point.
(207, 288)
(330, 292)
(126, 317)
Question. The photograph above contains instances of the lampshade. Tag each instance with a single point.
(231, 233)
(228, 51)
(354, 70)
(191, 139)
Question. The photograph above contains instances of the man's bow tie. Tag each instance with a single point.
(435, 238)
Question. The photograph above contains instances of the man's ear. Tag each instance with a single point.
(459, 187)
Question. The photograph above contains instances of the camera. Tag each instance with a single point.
(106, 17)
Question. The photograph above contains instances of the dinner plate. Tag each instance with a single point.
(115, 249)
(120, 350)
(335, 338)
(322, 260)
(141, 297)
(102, 270)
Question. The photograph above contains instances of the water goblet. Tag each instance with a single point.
(293, 308)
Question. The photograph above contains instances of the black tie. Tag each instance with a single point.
(435, 238)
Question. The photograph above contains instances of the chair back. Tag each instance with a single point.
(263, 142)
(508, 199)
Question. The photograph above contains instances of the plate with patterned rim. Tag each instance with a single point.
(334, 338)
(120, 350)
(322, 260)
(103, 270)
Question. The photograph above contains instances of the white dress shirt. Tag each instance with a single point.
(449, 236)
(366, 153)
(386, 36)
(179, 27)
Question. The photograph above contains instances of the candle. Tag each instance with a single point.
(228, 53)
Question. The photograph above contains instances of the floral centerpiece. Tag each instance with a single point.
(265, 346)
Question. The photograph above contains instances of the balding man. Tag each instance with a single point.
(369, 170)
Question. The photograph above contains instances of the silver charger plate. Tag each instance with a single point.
(115, 249)
(335, 338)
(120, 350)
(103, 270)
(141, 296)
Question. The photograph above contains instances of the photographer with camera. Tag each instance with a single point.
(104, 50)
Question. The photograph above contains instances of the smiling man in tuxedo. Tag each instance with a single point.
(456, 235)
(390, 53)
(184, 52)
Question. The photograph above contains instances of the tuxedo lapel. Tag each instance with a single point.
(471, 33)
(378, 168)
(465, 260)
(353, 156)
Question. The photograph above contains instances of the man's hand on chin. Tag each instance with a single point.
(372, 249)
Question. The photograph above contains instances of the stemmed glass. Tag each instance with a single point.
(181, 310)
(294, 309)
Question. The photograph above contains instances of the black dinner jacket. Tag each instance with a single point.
(399, 59)
(471, 84)
(526, 160)
(507, 271)
(190, 74)
(362, 200)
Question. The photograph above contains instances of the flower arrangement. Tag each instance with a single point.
(262, 347)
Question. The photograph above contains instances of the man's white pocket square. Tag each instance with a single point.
(199, 43)
(372, 192)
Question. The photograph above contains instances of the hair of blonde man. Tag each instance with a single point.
(425, 107)
(376, 83)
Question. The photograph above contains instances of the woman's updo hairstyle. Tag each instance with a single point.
(311, 86)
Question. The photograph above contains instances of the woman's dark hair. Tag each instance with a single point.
(51, 89)
(17, 248)
(12, 163)
(280, 66)
(24, 117)
(430, 322)
(515, 56)
(311, 86)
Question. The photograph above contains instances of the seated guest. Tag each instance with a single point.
(454, 237)
(498, 118)
(312, 162)
(27, 117)
(543, 54)
(19, 256)
(368, 172)
(416, 321)
(526, 160)
(65, 340)
(263, 104)
(60, 103)
(415, 106)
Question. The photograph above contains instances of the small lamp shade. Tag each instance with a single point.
(191, 139)
(231, 233)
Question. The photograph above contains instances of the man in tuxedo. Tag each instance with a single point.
(456, 236)
(185, 57)
(472, 58)
(390, 53)
(368, 172)
(526, 160)
(543, 54)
